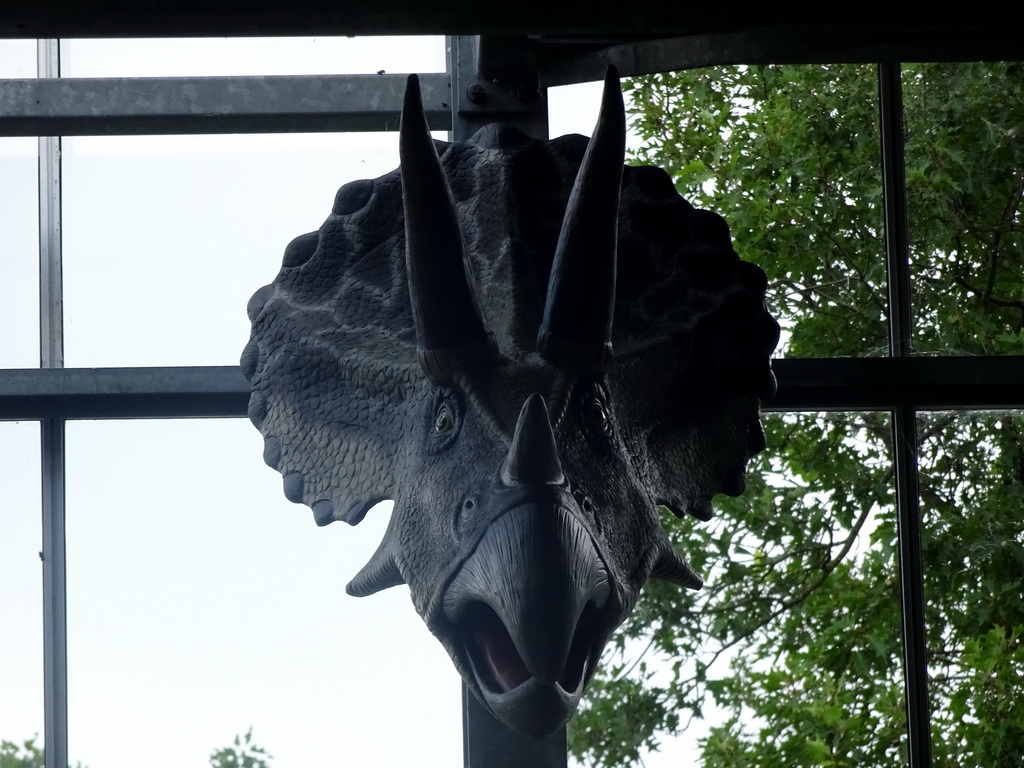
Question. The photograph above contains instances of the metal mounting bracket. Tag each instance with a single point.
(501, 87)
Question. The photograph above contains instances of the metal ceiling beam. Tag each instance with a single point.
(168, 105)
(218, 18)
(563, 64)
(929, 383)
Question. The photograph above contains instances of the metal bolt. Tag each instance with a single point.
(476, 93)
(525, 93)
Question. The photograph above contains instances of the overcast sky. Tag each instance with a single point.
(200, 601)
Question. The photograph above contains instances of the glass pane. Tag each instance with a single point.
(574, 109)
(251, 56)
(166, 238)
(19, 243)
(791, 653)
(17, 58)
(201, 603)
(789, 155)
(972, 487)
(965, 182)
(21, 585)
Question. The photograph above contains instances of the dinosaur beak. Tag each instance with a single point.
(528, 608)
(528, 602)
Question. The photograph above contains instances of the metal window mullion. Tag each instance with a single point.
(915, 659)
(51, 289)
(487, 743)
(51, 355)
(54, 596)
(897, 228)
(904, 419)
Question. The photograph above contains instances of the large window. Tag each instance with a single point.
(793, 653)
(189, 621)
(862, 591)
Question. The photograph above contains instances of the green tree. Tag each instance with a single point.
(243, 753)
(27, 754)
(24, 755)
(792, 650)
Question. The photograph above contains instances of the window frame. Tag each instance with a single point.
(901, 384)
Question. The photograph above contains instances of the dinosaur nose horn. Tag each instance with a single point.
(533, 455)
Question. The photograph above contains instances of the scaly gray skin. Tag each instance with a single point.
(525, 390)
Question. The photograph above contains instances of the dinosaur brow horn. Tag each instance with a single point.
(450, 328)
(577, 328)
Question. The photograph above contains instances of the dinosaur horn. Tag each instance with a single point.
(670, 567)
(533, 455)
(450, 328)
(381, 572)
(577, 328)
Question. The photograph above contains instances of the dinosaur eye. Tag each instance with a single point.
(444, 422)
(596, 416)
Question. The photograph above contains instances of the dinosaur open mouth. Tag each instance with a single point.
(494, 656)
(500, 668)
(529, 612)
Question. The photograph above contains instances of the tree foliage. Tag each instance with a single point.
(241, 753)
(791, 653)
(26, 754)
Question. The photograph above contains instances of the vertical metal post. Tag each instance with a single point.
(897, 229)
(54, 603)
(897, 245)
(456, 49)
(51, 347)
(486, 743)
(477, 100)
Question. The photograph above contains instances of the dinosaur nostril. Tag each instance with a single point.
(584, 501)
(464, 519)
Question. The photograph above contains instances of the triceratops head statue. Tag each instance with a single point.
(528, 348)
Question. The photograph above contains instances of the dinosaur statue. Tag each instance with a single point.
(528, 348)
